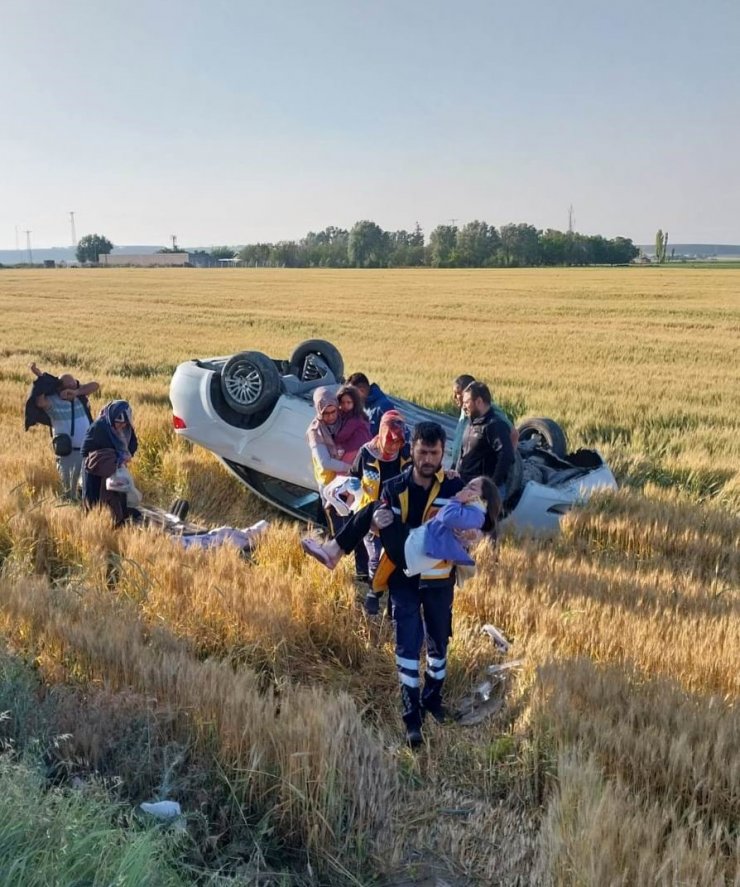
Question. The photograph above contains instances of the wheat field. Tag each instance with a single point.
(258, 694)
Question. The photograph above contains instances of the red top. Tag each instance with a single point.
(354, 432)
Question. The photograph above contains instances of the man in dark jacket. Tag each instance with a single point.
(422, 604)
(487, 446)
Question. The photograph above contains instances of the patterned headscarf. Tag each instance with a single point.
(320, 432)
(120, 438)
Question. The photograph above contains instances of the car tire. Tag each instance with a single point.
(325, 350)
(250, 382)
(547, 433)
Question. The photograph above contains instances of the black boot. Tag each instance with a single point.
(412, 715)
(431, 699)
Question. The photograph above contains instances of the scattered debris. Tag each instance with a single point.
(163, 810)
(498, 637)
(475, 709)
(504, 666)
(487, 697)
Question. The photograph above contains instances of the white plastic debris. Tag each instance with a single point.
(164, 810)
(504, 666)
(497, 636)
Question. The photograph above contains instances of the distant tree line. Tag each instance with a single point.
(475, 245)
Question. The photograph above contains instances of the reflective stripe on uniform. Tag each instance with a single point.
(408, 680)
(438, 572)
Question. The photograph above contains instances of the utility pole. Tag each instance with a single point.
(28, 246)
(72, 227)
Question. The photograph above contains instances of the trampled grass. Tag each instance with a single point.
(615, 758)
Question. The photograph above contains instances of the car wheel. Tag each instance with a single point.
(329, 354)
(546, 433)
(250, 382)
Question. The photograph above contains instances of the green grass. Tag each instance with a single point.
(51, 836)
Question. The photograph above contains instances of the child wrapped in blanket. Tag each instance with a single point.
(446, 536)
(475, 507)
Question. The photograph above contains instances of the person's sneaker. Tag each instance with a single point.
(316, 550)
(372, 604)
(414, 737)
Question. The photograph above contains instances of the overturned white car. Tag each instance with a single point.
(252, 412)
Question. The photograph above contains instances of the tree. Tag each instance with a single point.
(285, 254)
(326, 249)
(623, 251)
(477, 243)
(368, 245)
(256, 255)
(555, 247)
(92, 246)
(520, 244)
(223, 252)
(661, 246)
(442, 246)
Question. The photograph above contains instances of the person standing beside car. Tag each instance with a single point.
(487, 446)
(68, 414)
(458, 387)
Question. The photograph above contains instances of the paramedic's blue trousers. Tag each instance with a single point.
(421, 612)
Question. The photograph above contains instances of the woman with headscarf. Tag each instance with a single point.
(326, 456)
(110, 443)
(379, 460)
(328, 461)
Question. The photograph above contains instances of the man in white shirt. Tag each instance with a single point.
(69, 414)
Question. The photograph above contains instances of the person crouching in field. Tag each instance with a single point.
(61, 403)
(422, 601)
(110, 444)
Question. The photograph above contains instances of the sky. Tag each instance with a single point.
(242, 121)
